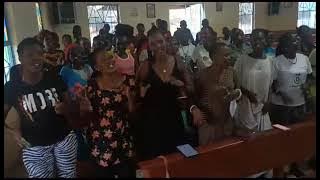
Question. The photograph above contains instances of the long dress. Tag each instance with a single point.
(211, 101)
(160, 125)
(254, 75)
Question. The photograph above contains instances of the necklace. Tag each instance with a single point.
(294, 61)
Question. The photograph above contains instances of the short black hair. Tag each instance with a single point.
(139, 24)
(183, 21)
(264, 31)
(302, 30)
(27, 42)
(283, 42)
(106, 25)
(153, 32)
(67, 37)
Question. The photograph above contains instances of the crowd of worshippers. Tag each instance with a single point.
(131, 98)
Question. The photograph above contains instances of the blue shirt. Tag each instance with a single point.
(73, 77)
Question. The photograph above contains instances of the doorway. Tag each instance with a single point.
(193, 14)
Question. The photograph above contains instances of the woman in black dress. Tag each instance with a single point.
(163, 81)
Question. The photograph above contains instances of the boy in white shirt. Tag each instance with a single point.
(186, 51)
(201, 53)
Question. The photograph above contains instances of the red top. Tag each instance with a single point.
(67, 50)
(125, 66)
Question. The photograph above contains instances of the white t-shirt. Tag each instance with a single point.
(186, 50)
(290, 75)
(255, 75)
(201, 57)
(227, 42)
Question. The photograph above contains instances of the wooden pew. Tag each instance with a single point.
(241, 158)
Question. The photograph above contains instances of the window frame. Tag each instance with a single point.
(39, 16)
(7, 44)
(300, 22)
(244, 14)
(96, 24)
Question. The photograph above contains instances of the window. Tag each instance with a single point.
(98, 15)
(39, 18)
(8, 54)
(246, 17)
(307, 14)
(193, 14)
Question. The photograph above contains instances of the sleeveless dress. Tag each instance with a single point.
(125, 66)
(160, 125)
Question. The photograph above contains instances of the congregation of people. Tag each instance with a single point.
(126, 97)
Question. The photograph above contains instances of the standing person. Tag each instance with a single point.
(312, 83)
(201, 54)
(108, 36)
(67, 43)
(158, 22)
(49, 145)
(102, 41)
(226, 36)
(238, 47)
(76, 33)
(124, 60)
(306, 44)
(215, 91)
(186, 50)
(141, 43)
(40, 36)
(86, 46)
(75, 75)
(254, 72)
(109, 131)
(269, 50)
(163, 28)
(161, 81)
(205, 25)
(153, 28)
(184, 32)
(290, 75)
(53, 55)
(54, 58)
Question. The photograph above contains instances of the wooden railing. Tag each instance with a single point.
(234, 157)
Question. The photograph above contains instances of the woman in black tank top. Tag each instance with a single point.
(162, 79)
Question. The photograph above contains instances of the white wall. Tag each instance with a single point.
(228, 17)
(22, 20)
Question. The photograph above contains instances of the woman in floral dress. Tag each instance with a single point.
(109, 135)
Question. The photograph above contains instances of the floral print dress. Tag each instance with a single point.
(109, 137)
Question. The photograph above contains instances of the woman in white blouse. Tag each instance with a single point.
(254, 74)
(290, 74)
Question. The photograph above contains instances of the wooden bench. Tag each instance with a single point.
(234, 157)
